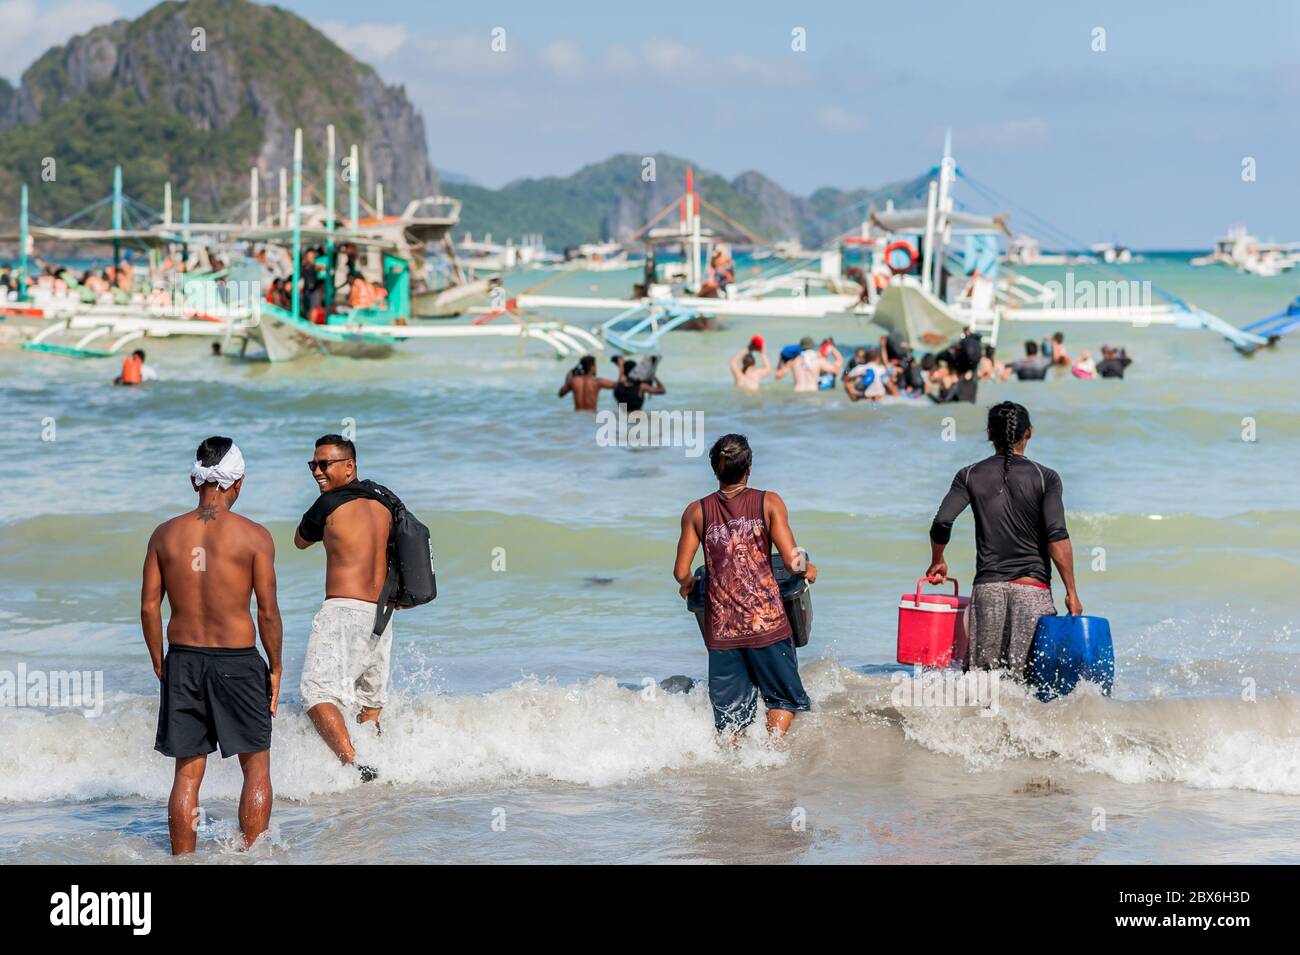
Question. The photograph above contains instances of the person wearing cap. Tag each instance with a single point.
(215, 688)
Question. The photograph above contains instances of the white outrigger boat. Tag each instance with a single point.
(383, 256)
(229, 304)
(954, 280)
(951, 279)
(61, 316)
(677, 292)
(1244, 252)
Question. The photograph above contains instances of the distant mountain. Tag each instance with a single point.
(146, 93)
(455, 178)
(610, 200)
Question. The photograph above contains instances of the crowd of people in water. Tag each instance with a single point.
(633, 383)
(889, 368)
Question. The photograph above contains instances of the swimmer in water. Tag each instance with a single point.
(1085, 367)
(583, 384)
(870, 379)
(1058, 353)
(746, 372)
(811, 364)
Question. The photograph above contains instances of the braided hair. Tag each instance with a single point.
(1007, 424)
(731, 458)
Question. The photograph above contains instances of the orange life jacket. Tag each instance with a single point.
(131, 370)
(362, 294)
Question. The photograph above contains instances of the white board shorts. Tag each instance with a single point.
(346, 664)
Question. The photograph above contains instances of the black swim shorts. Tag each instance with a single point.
(210, 697)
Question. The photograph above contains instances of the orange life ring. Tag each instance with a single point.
(901, 245)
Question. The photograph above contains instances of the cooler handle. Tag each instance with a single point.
(956, 591)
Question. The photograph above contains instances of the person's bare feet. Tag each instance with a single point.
(370, 714)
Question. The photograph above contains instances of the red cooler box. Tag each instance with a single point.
(932, 627)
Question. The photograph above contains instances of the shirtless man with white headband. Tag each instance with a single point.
(215, 688)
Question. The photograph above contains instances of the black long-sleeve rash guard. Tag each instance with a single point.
(1014, 522)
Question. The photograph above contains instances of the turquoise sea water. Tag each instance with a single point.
(519, 689)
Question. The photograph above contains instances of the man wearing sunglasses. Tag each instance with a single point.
(347, 664)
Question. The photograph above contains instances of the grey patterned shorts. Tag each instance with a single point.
(1003, 617)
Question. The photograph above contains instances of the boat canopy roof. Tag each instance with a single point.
(673, 235)
(313, 236)
(41, 233)
(913, 220)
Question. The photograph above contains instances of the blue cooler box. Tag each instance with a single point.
(1069, 649)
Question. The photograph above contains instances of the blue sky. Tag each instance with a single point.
(1143, 142)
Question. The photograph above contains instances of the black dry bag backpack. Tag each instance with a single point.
(411, 580)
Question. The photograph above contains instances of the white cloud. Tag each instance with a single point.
(687, 66)
(835, 119)
(562, 57)
(367, 41)
(28, 31)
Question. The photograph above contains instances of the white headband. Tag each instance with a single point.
(225, 472)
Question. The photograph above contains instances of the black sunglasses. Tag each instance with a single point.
(324, 465)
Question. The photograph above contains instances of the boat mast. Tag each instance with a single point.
(284, 199)
(947, 169)
(185, 233)
(693, 223)
(297, 225)
(329, 215)
(354, 186)
(22, 242)
(167, 204)
(253, 197)
(927, 253)
(117, 222)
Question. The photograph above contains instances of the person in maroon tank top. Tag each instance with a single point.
(746, 631)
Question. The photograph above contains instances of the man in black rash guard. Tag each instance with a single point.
(1019, 526)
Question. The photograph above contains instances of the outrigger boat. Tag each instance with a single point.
(384, 255)
(1244, 252)
(675, 287)
(60, 316)
(929, 273)
(230, 305)
(953, 279)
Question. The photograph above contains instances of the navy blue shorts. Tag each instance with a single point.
(737, 677)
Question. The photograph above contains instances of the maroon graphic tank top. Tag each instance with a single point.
(743, 602)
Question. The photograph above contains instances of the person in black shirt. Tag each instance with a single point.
(1113, 362)
(1019, 528)
(631, 388)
